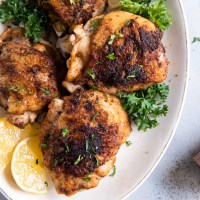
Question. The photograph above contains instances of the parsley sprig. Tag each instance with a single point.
(154, 10)
(145, 106)
(196, 39)
(25, 13)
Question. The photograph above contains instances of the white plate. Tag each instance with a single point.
(135, 163)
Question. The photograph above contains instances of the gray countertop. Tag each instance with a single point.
(177, 176)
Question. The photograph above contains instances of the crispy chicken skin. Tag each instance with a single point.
(27, 77)
(133, 60)
(73, 12)
(80, 137)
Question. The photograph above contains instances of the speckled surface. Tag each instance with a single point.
(177, 177)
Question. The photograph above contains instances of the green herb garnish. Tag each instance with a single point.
(88, 179)
(99, 62)
(154, 10)
(130, 76)
(128, 143)
(113, 36)
(95, 23)
(36, 162)
(25, 13)
(86, 145)
(111, 56)
(114, 172)
(78, 160)
(45, 91)
(145, 106)
(15, 88)
(97, 160)
(46, 184)
(128, 23)
(93, 87)
(65, 132)
(196, 39)
(91, 74)
(55, 163)
(94, 117)
(44, 145)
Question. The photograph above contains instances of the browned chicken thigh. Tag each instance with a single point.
(73, 12)
(124, 53)
(81, 135)
(27, 77)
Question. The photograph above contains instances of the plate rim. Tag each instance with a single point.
(186, 33)
(147, 175)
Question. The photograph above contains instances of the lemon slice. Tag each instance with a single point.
(10, 136)
(27, 167)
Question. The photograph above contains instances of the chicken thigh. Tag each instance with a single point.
(73, 12)
(124, 52)
(80, 137)
(27, 77)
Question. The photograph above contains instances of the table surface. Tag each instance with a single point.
(177, 176)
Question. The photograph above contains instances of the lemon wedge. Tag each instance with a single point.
(10, 136)
(27, 166)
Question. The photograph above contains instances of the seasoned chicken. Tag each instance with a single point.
(27, 77)
(73, 12)
(80, 137)
(124, 52)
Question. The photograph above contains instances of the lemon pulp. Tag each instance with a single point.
(27, 166)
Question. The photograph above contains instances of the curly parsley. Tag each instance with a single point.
(145, 106)
(154, 10)
(25, 13)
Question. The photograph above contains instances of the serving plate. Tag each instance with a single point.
(136, 162)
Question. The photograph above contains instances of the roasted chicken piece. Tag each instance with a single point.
(124, 52)
(73, 12)
(27, 77)
(80, 137)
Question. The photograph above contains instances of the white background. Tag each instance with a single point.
(177, 177)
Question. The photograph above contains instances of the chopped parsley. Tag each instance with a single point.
(91, 74)
(99, 62)
(66, 148)
(46, 184)
(55, 163)
(155, 10)
(86, 145)
(93, 87)
(128, 23)
(45, 91)
(196, 39)
(113, 36)
(44, 145)
(65, 132)
(15, 88)
(111, 56)
(94, 117)
(78, 160)
(114, 172)
(128, 143)
(19, 103)
(95, 23)
(145, 106)
(36, 162)
(130, 76)
(97, 160)
(88, 179)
